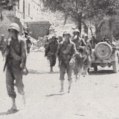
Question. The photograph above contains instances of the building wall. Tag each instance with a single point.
(25, 11)
(28, 10)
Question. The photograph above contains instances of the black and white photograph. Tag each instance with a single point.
(59, 59)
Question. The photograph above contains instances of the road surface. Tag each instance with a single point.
(94, 97)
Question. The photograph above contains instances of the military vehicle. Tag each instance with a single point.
(106, 50)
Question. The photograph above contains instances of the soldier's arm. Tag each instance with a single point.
(23, 54)
(58, 50)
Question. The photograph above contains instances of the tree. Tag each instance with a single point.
(81, 10)
(7, 5)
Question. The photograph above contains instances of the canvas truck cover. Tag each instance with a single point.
(38, 29)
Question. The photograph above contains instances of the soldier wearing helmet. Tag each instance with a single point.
(2, 44)
(15, 64)
(51, 50)
(76, 38)
(65, 53)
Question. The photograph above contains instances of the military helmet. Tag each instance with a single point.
(14, 26)
(76, 31)
(66, 34)
(2, 35)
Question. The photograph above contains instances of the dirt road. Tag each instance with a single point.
(94, 97)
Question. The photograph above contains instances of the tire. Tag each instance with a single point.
(95, 68)
(103, 50)
(115, 65)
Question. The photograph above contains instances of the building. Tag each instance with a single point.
(25, 11)
(28, 10)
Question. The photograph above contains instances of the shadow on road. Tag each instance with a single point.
(31, 71)
(101, 72)
(56, 94)
(7, 113)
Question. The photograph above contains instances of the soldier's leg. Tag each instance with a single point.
(86, 67)
(62, 73)
(76, 70)
(69, 74)
(52, 62)
(10, 89)
(19, 83)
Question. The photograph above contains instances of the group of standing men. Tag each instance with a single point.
(73, 54)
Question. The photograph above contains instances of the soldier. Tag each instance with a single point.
(60, 39)
(87, 52)
(82, 57)
(46, 44)
(76, 38)
(15, 64)
(28, 41)
(66, 51)
(2, 44)
(50, 51)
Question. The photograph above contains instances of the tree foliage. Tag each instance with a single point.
(81, 10)
(7, 5)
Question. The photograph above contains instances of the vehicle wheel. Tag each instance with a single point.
(95, 68)
(115, 65)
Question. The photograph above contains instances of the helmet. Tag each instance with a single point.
(2, 35)
(76, 31)
(66, 34)
(14, 26)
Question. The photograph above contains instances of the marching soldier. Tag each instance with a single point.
(2, 44)
(15, 64)
(28, 41)
(82, 57)
(60, 39)
(66, 51)
(76, 38)
(51, 51)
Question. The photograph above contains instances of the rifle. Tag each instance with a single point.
(7, 57)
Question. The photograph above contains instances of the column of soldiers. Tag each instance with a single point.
(73, 54)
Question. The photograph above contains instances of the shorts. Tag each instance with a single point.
(65, 69)
(14, 78)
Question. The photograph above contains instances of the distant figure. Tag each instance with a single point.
(82, 58)
(60, 39)
(46, 45)
(51, 51)
(76, 38)
(28, 42)
(3, 44)
(66, 51)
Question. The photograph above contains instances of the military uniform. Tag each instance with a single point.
(28, 44)
(15, 63)
(51, 50)
(65, 53)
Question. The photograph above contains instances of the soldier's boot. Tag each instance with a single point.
(62, 86)
(51, 69)
(24, 99)
(69, 88)
(78, 77)
(13, 109)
